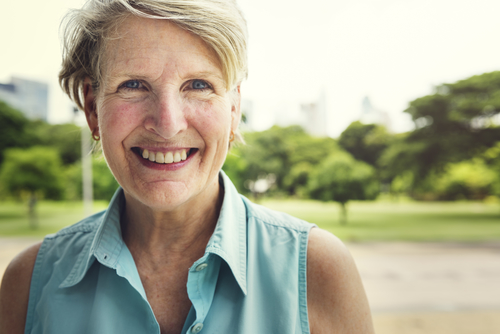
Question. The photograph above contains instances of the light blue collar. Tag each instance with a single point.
(229, 240)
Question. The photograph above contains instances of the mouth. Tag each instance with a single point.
(163, 158)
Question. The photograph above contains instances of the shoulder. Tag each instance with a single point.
(16, 282)
(14, 290)
(336, 299)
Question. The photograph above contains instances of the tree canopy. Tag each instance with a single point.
(365, 142)
(341, 178)
(452, 125)
(13, 126)
(33, 170)
(276, 151)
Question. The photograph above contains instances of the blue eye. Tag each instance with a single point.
(199, 84)
(132, 84)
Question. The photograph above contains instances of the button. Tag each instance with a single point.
(198, 327)
(200, 267)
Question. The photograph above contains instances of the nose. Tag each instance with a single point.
(167, 119)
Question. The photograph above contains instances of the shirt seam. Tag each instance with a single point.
(72, 231)
(270, 220)
(278, 224)
(303, 312)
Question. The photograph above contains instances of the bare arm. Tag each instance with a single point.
(14, 291)
(336, 299)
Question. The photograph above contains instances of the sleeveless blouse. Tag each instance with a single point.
(251, 279)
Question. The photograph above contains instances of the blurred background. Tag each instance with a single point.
(376, 120)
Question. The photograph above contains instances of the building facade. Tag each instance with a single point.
(28, 96)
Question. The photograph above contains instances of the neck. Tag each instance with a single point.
(167, 236)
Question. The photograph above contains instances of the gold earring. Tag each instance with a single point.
(96, 137)
(231, 136)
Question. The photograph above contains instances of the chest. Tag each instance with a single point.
(107, 303)
(168, 297)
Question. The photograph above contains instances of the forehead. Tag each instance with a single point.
(154, 42)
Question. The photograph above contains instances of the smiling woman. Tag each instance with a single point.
(178, 250)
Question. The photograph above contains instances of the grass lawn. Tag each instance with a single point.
(391, 221)
(381, 220)
(52, 216)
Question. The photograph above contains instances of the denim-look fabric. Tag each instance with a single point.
(251, 280)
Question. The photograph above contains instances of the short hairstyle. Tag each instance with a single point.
(219, 23)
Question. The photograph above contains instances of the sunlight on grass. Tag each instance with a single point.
(381, 220)
(52, 216)
(402, 220)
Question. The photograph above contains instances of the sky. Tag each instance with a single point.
(392, 51)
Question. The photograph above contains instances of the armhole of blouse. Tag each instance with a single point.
(34, 287)
(304, 317)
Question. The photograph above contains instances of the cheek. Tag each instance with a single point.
(213, 120)
(117, 118)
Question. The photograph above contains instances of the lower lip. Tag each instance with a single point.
(167, 167)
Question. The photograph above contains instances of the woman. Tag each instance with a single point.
(178, 250)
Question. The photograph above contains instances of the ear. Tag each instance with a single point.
(235, 108)
(89, 106)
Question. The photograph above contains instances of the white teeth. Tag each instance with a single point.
(169, 157)
(166, 158)
(160, 158)
(152, 156)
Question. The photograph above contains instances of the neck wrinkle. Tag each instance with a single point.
(160, 237)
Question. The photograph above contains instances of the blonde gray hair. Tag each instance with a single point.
(219, 23)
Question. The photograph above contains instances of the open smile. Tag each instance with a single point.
(168, 157)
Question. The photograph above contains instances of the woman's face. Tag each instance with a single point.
(163, 98)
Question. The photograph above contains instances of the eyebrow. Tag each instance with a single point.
(190, 75)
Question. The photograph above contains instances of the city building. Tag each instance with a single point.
(28, 96)
(314, 117)
(371, 115)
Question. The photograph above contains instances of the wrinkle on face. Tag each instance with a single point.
(165, 65)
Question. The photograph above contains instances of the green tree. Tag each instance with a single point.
(103, 181)
(104, 184)
(491, 158)
(454, 124)
(341, 178)
(35, 172)
(66, 138)
(12, 129)
(365, 142)
(277, 150)
(470, 179)
(17, 131)
(297, 179)
(235, 167)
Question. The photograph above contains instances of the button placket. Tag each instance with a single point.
(197, 328)
(201, 267)
(201, 287)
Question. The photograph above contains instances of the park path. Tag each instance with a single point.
(400, 276)
(413, 288)
(431, 288)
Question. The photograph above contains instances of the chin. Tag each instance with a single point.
(161, 196)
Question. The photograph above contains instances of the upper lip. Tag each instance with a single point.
(163, 149)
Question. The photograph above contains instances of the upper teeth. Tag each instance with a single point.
(166, 158)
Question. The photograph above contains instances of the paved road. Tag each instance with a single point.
(430, 276)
